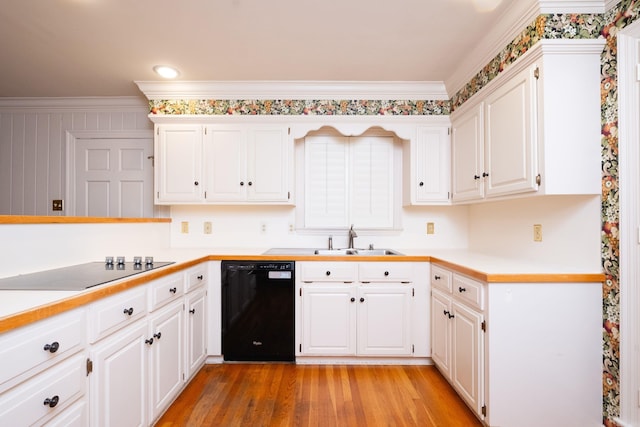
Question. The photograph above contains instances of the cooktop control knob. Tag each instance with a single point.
(148, 260)
(120, 260)
(137, 260)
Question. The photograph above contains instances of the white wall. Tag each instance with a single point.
(33, 144)
(570, 229)
(27, 248)
(241, 227)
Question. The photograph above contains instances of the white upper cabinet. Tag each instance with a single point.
(533, 129)
(467, 147)
(247, 163)
(224, 164)
(225, 157)
(510, 159)
(178, 163)
(426, 167)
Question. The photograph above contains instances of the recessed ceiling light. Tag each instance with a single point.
(166, 71)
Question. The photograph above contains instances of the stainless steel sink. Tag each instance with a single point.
(361, 252)
(377, 252)
(335, 252)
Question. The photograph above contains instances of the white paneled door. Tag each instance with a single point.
(113, 177)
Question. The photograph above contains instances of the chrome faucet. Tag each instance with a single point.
(352, 234)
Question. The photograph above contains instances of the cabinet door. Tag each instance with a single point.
(166, 365)
(225, 154)
(384, 320)
(119, 379)
(432, 168)
(441, 331)
(196, 331)
(268, 164)
(467, 360)
(510, 157)
(467, 147)
(178, 163)
(328, 319)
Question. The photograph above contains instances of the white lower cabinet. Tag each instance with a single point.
(515, 352)
(75, 416)
(166, 358)
(358, 309)
(329, 319)
(46, 395)
(441, 331)
(140, 368)
(457, 346)
(467, 354)
(119, 380)
(384, 320)
(196, 335)
(43, 370)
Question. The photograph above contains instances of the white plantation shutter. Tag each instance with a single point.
(371, 186)
(349, 181)
(326, 203)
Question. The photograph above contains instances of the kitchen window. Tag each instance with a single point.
(349, 180)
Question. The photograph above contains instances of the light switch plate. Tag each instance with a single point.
(537, 232)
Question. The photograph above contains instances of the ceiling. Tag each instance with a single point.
(70, 48)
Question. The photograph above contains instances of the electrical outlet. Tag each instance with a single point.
(430, 228)
(184, 227)
(537, 232)
(207, 227)
(57, 205)
(292, 229)
(263, 227)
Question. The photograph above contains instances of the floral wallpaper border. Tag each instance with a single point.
(296, 107)
(547, 26)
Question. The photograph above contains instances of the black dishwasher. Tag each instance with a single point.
(258, 314)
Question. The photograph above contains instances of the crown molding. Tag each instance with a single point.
(572, 6)
(514, 20)
(312, 90)
(510, 24)
(72, 104)
(610, 4)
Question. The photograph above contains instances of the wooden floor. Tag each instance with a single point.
(311, 395)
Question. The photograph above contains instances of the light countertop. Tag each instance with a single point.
(18, 308)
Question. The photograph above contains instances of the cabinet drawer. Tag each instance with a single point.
(440, 278)
(165, 290)
(59, 387)
(386, 272)
(33, 348)
(469, 291)
(195, 278)
(113, 313)
(75, 416)
(329, 272)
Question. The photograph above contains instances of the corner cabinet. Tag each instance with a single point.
(223, 164)
(534, 128)
(511, 350)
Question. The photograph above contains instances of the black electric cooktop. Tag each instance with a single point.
(76, 277)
